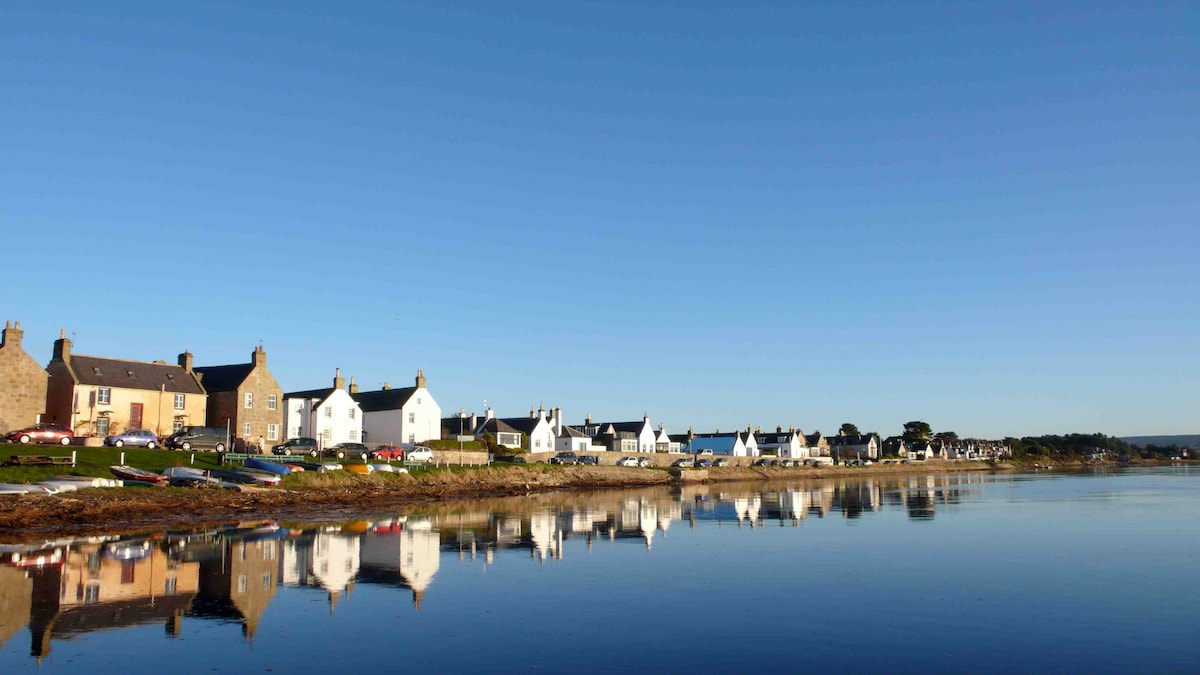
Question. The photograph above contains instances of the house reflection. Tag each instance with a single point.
(108, 585)
(232, 574)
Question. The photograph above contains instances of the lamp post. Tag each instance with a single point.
(462, 415)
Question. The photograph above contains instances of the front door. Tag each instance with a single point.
(135, 415)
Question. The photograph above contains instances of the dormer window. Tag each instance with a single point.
(129, 373)
(170, 376)
(96, 369)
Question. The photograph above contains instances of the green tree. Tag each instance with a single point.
(917, 431)
(945, 436)
(848, 429)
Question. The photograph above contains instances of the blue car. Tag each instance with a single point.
(138, 438)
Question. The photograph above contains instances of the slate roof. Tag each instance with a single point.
(569, 431)
(721, 443)
(524, 425)
(224, 378)
(383, 399)
(319, 394)
(118, 373)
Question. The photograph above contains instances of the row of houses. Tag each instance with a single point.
(97, 396)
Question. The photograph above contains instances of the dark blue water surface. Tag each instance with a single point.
(975, 573)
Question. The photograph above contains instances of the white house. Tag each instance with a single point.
(403, 415)
(573, 440)
(623, 437)
(328, 415)
(534, 434)
(789, 444)
(854, 447)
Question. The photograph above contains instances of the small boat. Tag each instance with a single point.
(358, 468)
(188, 477)
(246, 476)
(265, 465)
(57, 486)
(18, 489)
(296, 468)
(382, 468)
(129, 473)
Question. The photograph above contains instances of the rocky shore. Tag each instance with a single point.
(329, 496)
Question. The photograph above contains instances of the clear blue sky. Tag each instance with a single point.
(982, 215)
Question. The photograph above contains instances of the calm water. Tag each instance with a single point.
(965, 573)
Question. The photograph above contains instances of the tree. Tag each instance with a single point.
(848, 429)
(945, 436)
(917, 431)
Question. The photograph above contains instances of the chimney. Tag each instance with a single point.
(12, 335)
(387, 386)
(489, 413)
(185, 361)
(339, 382)
(779, 429)
(589, 419)
(541, 412)
(420, 379)
(691, 432)
(353, 386)
(259, 357)
(474, 422)
(62, 347)
(532, 413)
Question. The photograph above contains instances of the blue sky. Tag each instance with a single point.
(982, 215)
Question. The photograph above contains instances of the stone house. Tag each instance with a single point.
(244, 397)
(93, 395)
(22, 382)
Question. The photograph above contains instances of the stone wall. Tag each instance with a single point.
(22, 382)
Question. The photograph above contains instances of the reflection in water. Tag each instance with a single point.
(59, 589)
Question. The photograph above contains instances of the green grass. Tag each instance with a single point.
(95, 461)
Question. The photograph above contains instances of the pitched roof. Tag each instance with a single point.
(319, 394)
(524, 425)
(119, 373)
(383, 399)
(569, 431)
(224, 378)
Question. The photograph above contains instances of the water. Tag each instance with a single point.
(961, 573)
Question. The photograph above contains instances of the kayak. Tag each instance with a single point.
(357, 468)
(265, 465)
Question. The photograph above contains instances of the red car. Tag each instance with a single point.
(43, 433)
(388, 452)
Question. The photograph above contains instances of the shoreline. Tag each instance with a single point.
(320, 496)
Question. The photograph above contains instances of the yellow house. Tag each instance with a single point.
(97, 396)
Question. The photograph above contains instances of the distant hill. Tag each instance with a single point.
(1187, 441)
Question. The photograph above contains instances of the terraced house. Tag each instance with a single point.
(243, 397)
(94, 395)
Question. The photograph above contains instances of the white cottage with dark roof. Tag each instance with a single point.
(403, 415)
(328, 415)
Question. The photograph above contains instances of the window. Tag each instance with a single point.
(179, 401)
(249, 400)
(351, 413)
(176, 425)
(171, 586)
(102, 426)
(272, 432)
(91, 594)
(272, 402)
(328, 411)
(412, 417)
(241, 584)
(103, 396)
(266, 581)
(128, 568)
(246, 430)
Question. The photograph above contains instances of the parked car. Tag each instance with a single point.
(344, 450)
(762, 462)
(565, 458)
(295, 446)
(417, 453)
(42, 433)
(703, 463)
(706, 451)
(724, 461)
(627, 461)
(387, 452)
(511, 459)
(139, 438)
(198, 438)
(645, 462)
(683, 463)
(589, 460)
